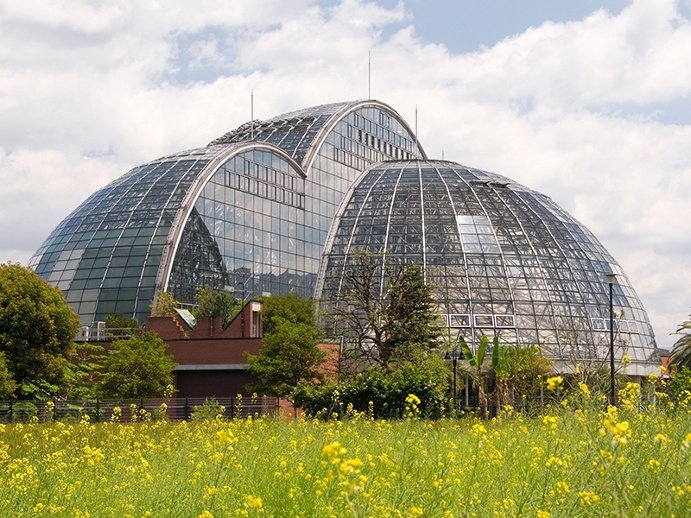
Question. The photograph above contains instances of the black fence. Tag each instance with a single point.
(133, 410)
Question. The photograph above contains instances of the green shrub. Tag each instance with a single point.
(380, 393)
(210, 410)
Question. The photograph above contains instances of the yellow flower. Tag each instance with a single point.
(254, 502)
(583, 388)
(412, 399)
(478, 429)
(588, 497)
(661, 438)
(554, 383)
(550, 421)
(333, 450)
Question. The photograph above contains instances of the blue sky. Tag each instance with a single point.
(467, 25)
(588, 102)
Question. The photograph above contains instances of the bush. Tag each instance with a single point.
(380, 393)
(210, 410)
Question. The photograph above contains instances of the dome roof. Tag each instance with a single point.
(249, 211)
(502, 259)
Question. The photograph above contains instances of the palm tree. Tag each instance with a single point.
(476, 360)
(681, 351)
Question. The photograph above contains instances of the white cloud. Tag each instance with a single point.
(124, 82)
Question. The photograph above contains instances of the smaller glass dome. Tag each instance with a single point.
(502, 259)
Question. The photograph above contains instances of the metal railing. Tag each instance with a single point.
(133, 410)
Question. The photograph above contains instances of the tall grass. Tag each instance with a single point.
(582, 462)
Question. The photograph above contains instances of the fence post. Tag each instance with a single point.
(55, 409)
(11, 414)
(98, 411)
(187, 411)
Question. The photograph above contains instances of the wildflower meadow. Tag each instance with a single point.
(574, 460)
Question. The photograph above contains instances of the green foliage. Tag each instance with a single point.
(290, 307)
(476, 362)
(381, 393)
(681, 351)
(390, 324)
(84, 371)
(125, 324)
(216, 304)
(7, 383)
(37, 327)
(517, 371)
(409, 317)
(163, 305)
(210, 410)
(289, 354)
(137, 367)
(680, 384)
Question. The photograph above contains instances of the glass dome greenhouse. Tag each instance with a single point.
(503, 260)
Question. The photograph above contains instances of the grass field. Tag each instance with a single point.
(565, 463)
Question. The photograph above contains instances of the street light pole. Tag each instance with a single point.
(611, 280)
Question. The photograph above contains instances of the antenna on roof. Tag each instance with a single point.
(415, 150)
(251, 114)
(442, 153)
(369, 73)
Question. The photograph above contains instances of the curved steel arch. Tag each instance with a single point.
(337, 117)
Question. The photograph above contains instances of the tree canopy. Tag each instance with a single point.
(216, 304)
(137, 367)
(681, 351)
(390, 323)
(37, 327)
(289, 353)
(7, 383)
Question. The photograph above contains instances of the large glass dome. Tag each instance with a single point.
(502, 259)
(250, 212)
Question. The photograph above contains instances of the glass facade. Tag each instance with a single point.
(502, 259)
(251, 211)
(268, 219)
(105, 255)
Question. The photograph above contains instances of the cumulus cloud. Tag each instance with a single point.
(88, 91)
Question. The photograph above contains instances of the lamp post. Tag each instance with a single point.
(611, 280)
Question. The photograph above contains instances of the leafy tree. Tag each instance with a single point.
(84, 371)
(388, 318)
(289, 353)
(163, 305)
(7, 383)
(137, 367)
(37, 329)
(681, 351)
(216, 304)
(289, 307)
